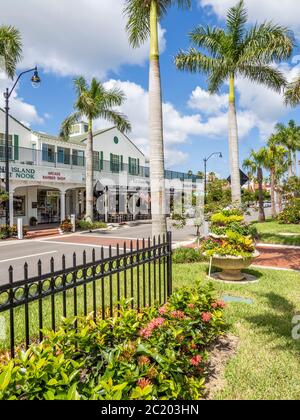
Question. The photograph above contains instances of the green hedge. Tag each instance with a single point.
(161, 353)
(187, 255)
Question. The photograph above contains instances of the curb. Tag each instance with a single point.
(277, 246)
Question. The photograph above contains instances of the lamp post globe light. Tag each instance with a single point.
(205, 171)
(35, 80)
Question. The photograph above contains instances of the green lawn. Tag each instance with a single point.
(273, 233)
(267, 363)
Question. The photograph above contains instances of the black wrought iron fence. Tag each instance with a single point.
(140, 273)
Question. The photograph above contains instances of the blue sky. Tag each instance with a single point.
(91, 41)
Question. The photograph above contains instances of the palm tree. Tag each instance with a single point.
(275, 158)
(10, 49)
(250, 169)
(292, 93)
(143, 17)
(289, 137)
(94, 102)
(237, 52)
(257, 160)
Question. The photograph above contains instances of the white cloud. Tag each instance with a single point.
(69, 38)
(282, 12)
(21, 110)
(179, 128)
(201, 100)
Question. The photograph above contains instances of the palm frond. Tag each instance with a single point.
(117, 118)
(264, 75)
(66, 125)
(217, 77)
(292, 93)
(268, 42)
(237, 17)
(212, 39)
(10, 49)
(138, 21)
(81, 85)
(194, 61)
(113, 97)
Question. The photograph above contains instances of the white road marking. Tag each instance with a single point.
(76, 244)
(28, 256)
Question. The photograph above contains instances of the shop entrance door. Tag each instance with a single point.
(48, 206)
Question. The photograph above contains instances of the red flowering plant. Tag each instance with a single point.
(160, 353)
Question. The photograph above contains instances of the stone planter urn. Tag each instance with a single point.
(232, 266)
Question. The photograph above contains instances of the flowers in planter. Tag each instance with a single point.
(115, 360)
(234, 245)
(233, 221)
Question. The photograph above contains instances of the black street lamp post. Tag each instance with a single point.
(205, 171)
(7, 94)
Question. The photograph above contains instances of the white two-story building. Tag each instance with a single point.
(47, 174)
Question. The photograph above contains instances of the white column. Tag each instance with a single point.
(62, 205)
(11, 207)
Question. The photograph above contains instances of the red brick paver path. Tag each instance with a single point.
(279, 257)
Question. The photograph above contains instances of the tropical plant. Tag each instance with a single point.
(221, 223)
(291, 213)
(237, 52)
(94, 102)
(10, 49)
(143, 17)
(289, 137)
(275, 162)
(258, 160)
(161, 353)
(292, 93)
(233, 245)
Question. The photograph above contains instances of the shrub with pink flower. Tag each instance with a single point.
(196, 360)
(143, 383)
(143, 361)
(206, 317)
(219, 304)
(191, 306)
(163, 310)
(178, 315)
(154, 324)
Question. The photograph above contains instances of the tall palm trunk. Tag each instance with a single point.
(261, 212)
(89, 175)
(273, 185)
(295, 164)
(157, 167)
(290, 168)
(234, 147)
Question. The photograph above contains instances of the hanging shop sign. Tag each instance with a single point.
(40, 174)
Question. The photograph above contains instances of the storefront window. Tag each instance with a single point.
(19, 206)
